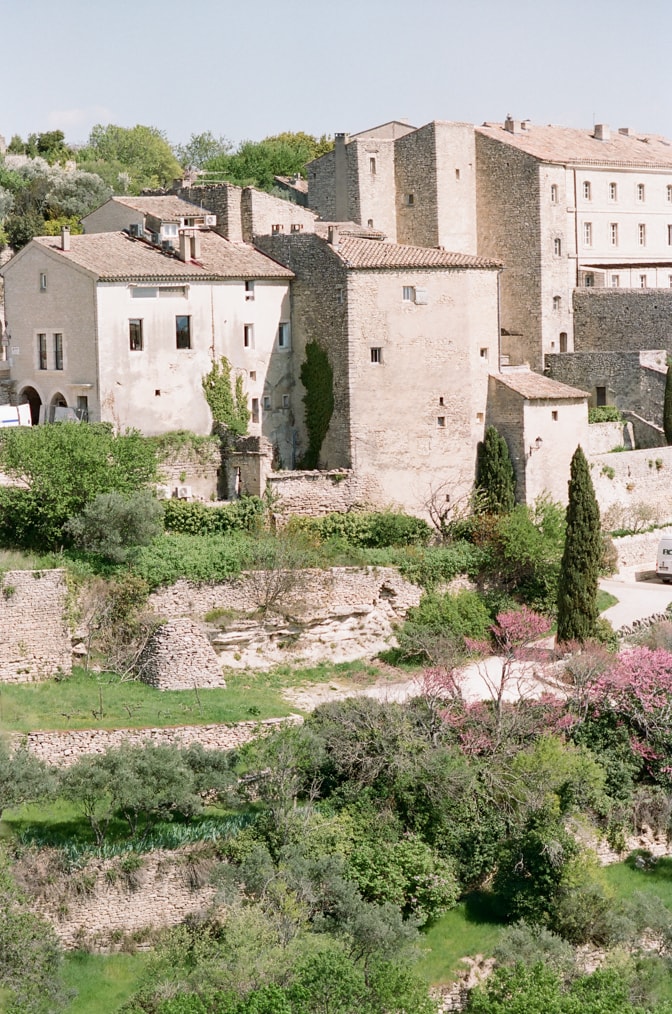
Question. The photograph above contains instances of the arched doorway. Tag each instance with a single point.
(58, 401)
(29, 396)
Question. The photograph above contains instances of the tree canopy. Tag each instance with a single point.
(130, 159)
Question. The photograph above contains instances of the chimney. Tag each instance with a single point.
(65, 237)
(511, 125)
(196, 245)
(602, 132)
(185, 246)
(332, 235)
(625, 130)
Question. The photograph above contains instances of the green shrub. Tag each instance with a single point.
(452, 616)
(604, 413)
(112, 525)
(366, 530)
(433, 565)
(197, 558)
(193, 518)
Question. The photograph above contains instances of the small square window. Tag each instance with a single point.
(249, 292)
(479, 417)
(441, 422)
(285, 401)
(135, 334)
(255, 410)
(410, 200)
(483, 353)
(376, 355)
(408, 293)
(267, 402)
(183, 332)
(253, 374)
(157, 394)
(283, 335)
(43, 281)
(554, 416)
(369, 223)
(248, 336)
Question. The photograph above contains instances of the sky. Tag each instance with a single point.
(249, 69)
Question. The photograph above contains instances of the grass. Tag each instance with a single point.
(625, 880)
(103, 981)
(605, 600)
(467, 929)
(94, 700)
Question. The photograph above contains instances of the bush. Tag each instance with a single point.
(366, 530)
(197, 558)
(112, 525)
(605, 413)
(453, 616)
(193, 518)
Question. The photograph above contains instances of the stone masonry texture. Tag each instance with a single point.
(34, 634)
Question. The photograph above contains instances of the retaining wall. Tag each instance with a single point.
(34, 635)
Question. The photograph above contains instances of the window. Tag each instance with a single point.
(483, 353)
(369, 223)
(588, 233)
(669, 235)
(600, 397)
(170, 291)
(42, 351)
(670, 280)
(669, 194)
(563, 341)
(613, 192)
(83, 407)
(249, 292)
(340, 299)
(255, 410)
(135, 334)
(554, 416)
(285, 401)
(58, 351)
(248, 336)
(43, 281)
(441, 422)
(642, 281)
(589, 280)
(376, 355)
(283, 335)
(586, 190)
(183, 332)
(372, 166)
(613, 233)
(457, 174)
(615, 281)
(554, 193)
(144, 292)
(278, 227)
(267, 403)
(641, 192)
(410, 200)
(641, 234)
(408, 294)
(557, 303)
(557, 247)
(253, 374)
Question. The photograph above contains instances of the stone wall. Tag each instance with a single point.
(263, 213)
(223, 200)
(63, 748)
(198, 467)
(314, 493)
(622, 319)
(179, 656)
(34, 635)
(604, 437)
(105, 901)
(627, 482)
(640, 550)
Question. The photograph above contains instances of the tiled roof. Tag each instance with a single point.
(296, 183)
(350, 229)
(168, 208)
(534, 386)
(116, 256)
(571, 145)
(371, 253)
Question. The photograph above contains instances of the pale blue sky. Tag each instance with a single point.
(246, 69)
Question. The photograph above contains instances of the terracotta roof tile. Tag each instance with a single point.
(534, 386)
(370, 253)
(116, 256)
(572, 145)
(168, 208)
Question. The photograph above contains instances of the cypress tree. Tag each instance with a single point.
(494, 473)
(667, 406)
(579, 570)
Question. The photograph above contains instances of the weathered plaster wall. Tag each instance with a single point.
(34, 635)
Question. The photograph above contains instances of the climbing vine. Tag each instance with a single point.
(317, 378)
(227, 401)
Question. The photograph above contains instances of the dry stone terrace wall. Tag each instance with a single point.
(164, 889)
(62, 748)
(631, 478)
(34, 635)
(314, 493)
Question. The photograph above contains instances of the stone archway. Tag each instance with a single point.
(29, 396)
(58, 401)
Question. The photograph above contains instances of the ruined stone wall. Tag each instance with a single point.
(103, 902)
(34, 635)
(223, 200)
(317, 493)
(622, 320)
(633, 380)
(262, 212)
(199, 467)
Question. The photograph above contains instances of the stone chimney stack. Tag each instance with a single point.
(65, 237)
(332, 235)
(602, 132)
(196, 245)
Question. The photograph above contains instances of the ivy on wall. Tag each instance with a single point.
(227, 400)
(317, 378)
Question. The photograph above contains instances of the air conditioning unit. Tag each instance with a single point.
(183, 492)
(166, 244)
(163, 493)
(211, 219)
(135, 229)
